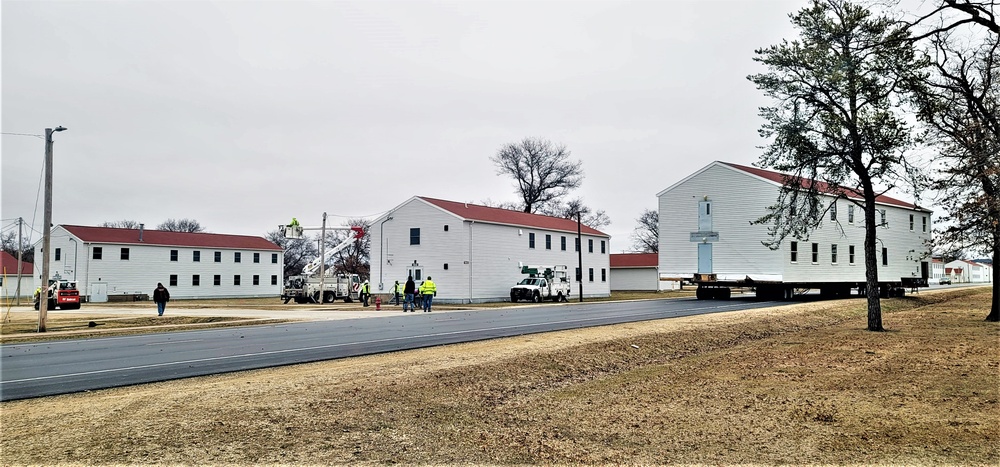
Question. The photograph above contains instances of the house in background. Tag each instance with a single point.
(962, 270)
(638, 271)
(108, 261)
(8, 279)
(706, 226)
(474, 253)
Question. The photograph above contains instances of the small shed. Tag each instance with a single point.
(638, 271)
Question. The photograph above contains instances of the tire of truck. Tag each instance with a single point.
(348, 300)
(300, 299)
(288, 299)
(328, 296)
(701, 293)
(559, 298)
(536, 298)
(724, 293)
(513, 297)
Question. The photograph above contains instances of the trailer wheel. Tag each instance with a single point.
(700, 293)
(725, 293)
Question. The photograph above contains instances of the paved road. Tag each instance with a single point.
(59, 367)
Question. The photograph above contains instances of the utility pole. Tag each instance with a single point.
(20, 261)
(579, 251)
(43, 298)
(322, 267)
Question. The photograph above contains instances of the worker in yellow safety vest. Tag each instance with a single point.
(428, 289)
(365, 292)
(397, 290)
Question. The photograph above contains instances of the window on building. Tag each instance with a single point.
(217, 280)
(256, 279)
(603, 249)
(173, 255)
(415, 236)
(576, 244)
(195, 280)
(604, 275)
(98, 252)
(833, 211)
(590, 274)
(924, 220)
(274, 258)
(173, 280)
(531, 239)
(124, 254)
(236, 279)
(562, 245)
(794, 248)
(579, 276)
(882, 215)
(850, 254)
(911, 222)
(850, 214)
(58, 254)
(833, 253)
(885, 257)
(274, 279)
(446, 227)
(445, 266)
(548, 242)
(590, 245)
(815, 253)
(237, 256)
(218, 256)
(196, 256)
(256, 257)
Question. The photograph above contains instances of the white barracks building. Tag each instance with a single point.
(107, 261)
(706, 227)
(473, 252)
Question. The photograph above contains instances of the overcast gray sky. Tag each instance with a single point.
(242, 115)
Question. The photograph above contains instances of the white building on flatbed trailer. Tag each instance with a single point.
(473, 252)
(706, 227)
(107, 262)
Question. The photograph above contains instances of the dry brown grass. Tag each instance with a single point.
(801, 384)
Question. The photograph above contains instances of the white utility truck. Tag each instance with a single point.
(543, 282)
(315, 281)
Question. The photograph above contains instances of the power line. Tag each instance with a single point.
(25, 134)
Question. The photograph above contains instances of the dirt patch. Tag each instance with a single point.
(800, 384)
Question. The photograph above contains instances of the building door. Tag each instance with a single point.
(98, 292)
(704, 216)
(924, 271)
(416, 273)
(704, 258)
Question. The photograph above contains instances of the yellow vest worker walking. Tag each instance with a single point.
(428, 290)
(366, 292)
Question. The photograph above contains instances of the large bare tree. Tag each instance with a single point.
(122, 224)
(297, 251)
(959, 105)
(951, 14)
(835, 120)
(646, 235)
(354, 259)
(543, 171)
(181, 225)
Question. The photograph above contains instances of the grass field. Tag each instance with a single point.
(804, 384)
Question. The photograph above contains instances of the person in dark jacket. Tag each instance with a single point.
(408, 291)
(160, 296)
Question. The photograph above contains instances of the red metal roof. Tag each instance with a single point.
(635, 260)
(822, 187)
(165, 238)
(506, 216)
(8, 265)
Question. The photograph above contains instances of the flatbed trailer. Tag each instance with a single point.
(710, 287)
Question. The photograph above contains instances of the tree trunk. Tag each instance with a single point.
(871, 267)
(994, 315)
